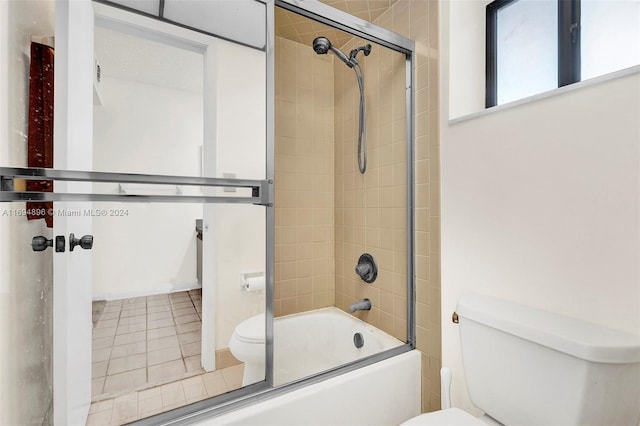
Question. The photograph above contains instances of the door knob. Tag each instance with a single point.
(86, 242)
(41, 243)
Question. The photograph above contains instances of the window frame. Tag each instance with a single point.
(568, 46)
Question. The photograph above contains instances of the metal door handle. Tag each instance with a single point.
(41, 243)
(85, 242)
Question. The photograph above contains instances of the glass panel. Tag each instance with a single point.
(527, 49)
(224, 18)
(148, 106)
(166, 299)
(610, 36)
(327, 212)
(152, 7)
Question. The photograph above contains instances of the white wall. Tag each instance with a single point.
(540, 202)
(25, 277)
(143, 127)
(238, 230)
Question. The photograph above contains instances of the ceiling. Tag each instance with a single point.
(303, 30)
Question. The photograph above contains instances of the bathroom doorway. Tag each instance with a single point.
(167, 298)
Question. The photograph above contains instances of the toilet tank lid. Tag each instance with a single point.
(582, 339)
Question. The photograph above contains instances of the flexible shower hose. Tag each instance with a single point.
(362, 141)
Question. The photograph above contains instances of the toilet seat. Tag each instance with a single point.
(450, 416)
(251, 330)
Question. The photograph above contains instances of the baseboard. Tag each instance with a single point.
(165, 289)
(225, 359)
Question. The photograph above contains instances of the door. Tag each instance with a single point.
(73, 128)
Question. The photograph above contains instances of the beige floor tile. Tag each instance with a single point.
(150, 393)
(99, 406)
(187, 318)
(131, 328)
(184, 311)
(191, 326)
(161, 343)
(101, 343)
(190, 337)
(132, 312)
(233, 376)
(182, 305)
(97, 384)
(191, 349)
(214, 383)
(149, 402)
(128, 350)
(194, 389)
(127, 363)
(163, 355)
(134, 319)
(157, 333)
(159, 308)
(99, 333)
(167, 322)
(152, 316)
(125, 408)
(99, 369)
(168, 371)
(110, 315)
(172, 393)
(101, 354)
(123, 381)
(107, 323)
(102, 418)
(125, 339)
(193, 363)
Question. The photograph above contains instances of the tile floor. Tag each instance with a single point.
(138, 405)
(146, 341)
(146, 358)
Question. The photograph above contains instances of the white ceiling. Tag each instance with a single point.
(146, 61)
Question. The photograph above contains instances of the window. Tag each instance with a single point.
(533, 46)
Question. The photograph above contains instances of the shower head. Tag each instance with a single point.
(322, 45)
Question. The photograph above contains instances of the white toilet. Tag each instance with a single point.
(525, 366)
(247, 345)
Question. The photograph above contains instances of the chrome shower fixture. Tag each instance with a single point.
(322, 45)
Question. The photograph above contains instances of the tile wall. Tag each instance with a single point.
(418, 20)
(369, 211)
(304, 180)
(371, 207)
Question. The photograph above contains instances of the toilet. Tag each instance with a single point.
(525, 366)
(247, 345)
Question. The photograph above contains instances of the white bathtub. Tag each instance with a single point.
(316, 341)
(384, 393)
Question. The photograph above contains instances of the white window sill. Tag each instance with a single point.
(571, 87)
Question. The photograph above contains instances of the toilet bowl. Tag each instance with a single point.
(247, 345)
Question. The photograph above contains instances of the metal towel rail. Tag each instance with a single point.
(261, 190)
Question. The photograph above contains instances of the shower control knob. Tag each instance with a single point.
(367, 268)
(86, 242)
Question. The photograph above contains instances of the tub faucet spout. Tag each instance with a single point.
(360, 305)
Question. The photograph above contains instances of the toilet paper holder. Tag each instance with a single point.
(247, 276)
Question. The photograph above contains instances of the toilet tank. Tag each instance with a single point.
(526, 366)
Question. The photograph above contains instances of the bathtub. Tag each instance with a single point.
(311, 342)
(386, 392)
